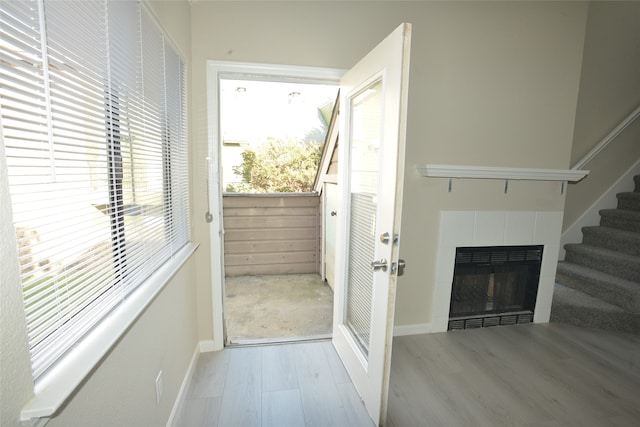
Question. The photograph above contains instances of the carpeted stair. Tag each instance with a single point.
(598, 283)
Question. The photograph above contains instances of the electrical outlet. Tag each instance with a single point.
(159, 387)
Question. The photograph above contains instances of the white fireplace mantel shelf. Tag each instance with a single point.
(490, 172)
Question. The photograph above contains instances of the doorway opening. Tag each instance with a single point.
(272, 125)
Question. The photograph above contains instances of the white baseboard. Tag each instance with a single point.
(207, 346)
(591, 216)
(184, 387)
(415, 329)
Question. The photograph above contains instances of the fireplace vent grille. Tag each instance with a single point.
(487, 321)
(498, 255)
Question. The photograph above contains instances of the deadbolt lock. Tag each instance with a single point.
(398, 266)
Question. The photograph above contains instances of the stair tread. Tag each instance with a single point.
(609, 261)
(614, 232)
(629, 201)
(629, 195)
(613, 238)
(575, 307)
(625, 213)
(566, 295)
(601, 276)
(603, 252)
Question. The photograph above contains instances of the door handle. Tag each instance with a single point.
(398, 266)
(379, 265)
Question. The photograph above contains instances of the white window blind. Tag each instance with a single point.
(92, 98)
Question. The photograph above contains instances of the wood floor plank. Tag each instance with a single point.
(524, 375)
(262, 386)
(320, 400)
(282, 408)
(278, 368)
(209, 375)
(339, 373)
(356, 412)
(412, 399)
(200, 412)
(242, 398)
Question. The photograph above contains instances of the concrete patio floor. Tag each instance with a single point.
(277, 308)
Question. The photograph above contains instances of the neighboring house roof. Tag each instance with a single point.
(328, 160)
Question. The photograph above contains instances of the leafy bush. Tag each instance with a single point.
(277, 167)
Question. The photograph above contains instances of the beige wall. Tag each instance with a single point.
(609, 91)
(121, 390)
(492, 83)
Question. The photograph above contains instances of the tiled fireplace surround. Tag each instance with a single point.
(495, 228)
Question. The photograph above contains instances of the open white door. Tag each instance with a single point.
(371, 169)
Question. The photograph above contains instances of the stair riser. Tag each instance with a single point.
(579, 316)
(624, 244)
(603, 291)
(620, 223)
(610, 265)
(629, 204)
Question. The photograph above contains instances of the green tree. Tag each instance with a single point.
(277, 167)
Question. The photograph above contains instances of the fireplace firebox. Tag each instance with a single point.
(494, 285)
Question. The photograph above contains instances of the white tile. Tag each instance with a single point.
(440, 324)
(456, 228)
(445, 264)
(519, 227)
(548, 228)
(542, 316)
(549, 261)
(545, 293)
(441, 299)
(488, 228)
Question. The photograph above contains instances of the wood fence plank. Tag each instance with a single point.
(272, 234)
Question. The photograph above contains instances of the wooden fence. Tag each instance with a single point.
(271, 233)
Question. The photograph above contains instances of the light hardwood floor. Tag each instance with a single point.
(302, 384)
(524, 375)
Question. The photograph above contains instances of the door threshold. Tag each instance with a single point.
(274, 341)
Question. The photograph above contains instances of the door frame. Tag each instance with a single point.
(227, 69)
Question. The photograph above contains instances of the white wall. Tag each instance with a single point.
(491, 83)
(121, 390)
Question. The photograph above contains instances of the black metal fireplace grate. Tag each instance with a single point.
(494, 285)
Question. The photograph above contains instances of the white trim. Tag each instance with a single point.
(54, 387)
(184, 386)
(273, 72)
(490, 172)
(238, 70)
(591, 216)
(207, 346)
(415, 329)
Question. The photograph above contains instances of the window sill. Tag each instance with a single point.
(53, 389)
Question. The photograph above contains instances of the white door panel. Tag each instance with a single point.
(372, 135)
